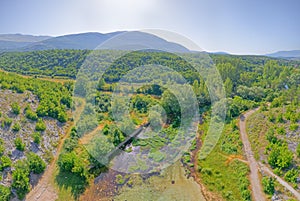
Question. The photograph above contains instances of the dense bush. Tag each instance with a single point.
(298, 150)
(280, 156)
(291, 175)
(19, 144)
(2, 148)
(40, 125)
(268, 185)
(16, 127)
(36, 164)
(4, 162)
(21, 178)
(30, 114)
(15, 108)
(54, 98)
(37, 137)
(4, 193)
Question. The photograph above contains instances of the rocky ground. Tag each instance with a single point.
(49, 138)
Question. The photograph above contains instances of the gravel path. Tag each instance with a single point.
(257, 192)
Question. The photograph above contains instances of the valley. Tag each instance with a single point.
(60, 117)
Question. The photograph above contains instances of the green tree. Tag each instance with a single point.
(29, 114)
(101, 84)
(19, 144)
(15, 108)
(155, 120)
(228, 86)
(36, 164)
(21, 179)
(280, 156)
(37, 137)
(291, 175)
(2, 148)
(66, 161)
(117, 136)
(298, 150)
(268, 185)
(5, 162)
(16, 127)
(172, 107)
(40, 125)
(4, 193)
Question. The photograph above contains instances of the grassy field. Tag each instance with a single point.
(224, 171)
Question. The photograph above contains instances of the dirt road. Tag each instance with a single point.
(267, 170)
(44, 190)
(257, 192)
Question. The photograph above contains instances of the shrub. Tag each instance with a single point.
(36, 137)
(281, 131)
(119, 179)
(15, 108)
(268, 185)
(4, 193)
(280, 156)
(294, 127)
(36, 164)
(40, 125)
(6, 122)
(2, 148)
(29, 114)
(291, 175)
(246, 194)
(19, 144)
(279, 118)
(21, 179)
(298, 150)
(4, 162)
(16, 127)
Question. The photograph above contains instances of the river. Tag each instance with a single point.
(171, 184)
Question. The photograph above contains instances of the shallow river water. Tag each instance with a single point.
(170, 185)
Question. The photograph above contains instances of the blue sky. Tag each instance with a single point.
(235, 26)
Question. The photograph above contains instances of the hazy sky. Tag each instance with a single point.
(235, 26)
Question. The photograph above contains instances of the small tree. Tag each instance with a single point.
(19, 144)
(291, 175)
(2, 148)
(36, 137)
(21, 179)
(4, 162)
(40, 125)
(4, 193)
(36, 164)
(15, 108)
(268, 185)
(16, 127)
(298, 150)
(29, 114)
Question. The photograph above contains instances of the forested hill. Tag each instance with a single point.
(65, 63)
(48, 62)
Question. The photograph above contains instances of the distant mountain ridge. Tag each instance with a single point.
(73, 41)
(126, 40)
(15, 41)
(285, 54)
(130, 40)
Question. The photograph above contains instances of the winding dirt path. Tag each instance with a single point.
(258, 166)
(257, 191)
(44, 190)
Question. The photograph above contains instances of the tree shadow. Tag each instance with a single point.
(76, 184)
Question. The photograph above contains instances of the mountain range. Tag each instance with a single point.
(92, 40)
(89, 41)
(285, 54)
